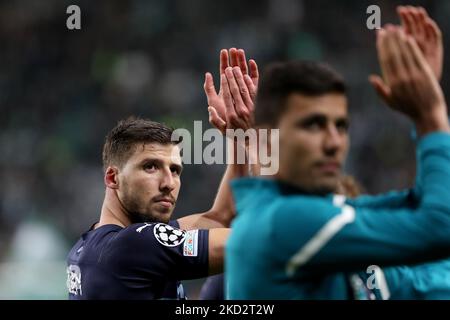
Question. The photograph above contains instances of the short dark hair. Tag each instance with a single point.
(281, 79)
(122, 140)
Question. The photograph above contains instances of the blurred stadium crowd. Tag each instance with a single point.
(61, 91)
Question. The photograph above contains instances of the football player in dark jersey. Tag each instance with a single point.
(135, 251)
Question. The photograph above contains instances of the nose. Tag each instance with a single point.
(167, 182)
(333, 140)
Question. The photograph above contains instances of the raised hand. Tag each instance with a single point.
(409, 85)
(238, 90)
(224, 116)
(417, 23)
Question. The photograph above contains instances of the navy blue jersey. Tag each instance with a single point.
(213, 288)
(141, 261)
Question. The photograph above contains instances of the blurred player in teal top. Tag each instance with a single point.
(422, 281)
(292, 236)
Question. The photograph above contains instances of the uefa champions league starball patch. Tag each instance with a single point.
(168, 236)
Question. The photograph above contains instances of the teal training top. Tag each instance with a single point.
(429, 281)
(286, 244)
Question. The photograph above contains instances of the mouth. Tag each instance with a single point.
(165, 202)
(329, 166)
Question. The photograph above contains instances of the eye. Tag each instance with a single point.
(176, 170)
(342, 126)
(150, 167)
(313, 124)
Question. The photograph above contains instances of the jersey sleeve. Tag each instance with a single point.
(391, 200)
(161, 250)
(352, 237)
(428, 281)
(213, 288)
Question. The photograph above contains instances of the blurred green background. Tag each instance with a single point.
(61, 91)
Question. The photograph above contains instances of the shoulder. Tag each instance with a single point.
(305, 207)
(301, 217)
(148, 245)
(158, 234)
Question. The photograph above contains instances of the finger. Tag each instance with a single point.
(236, 113)
(409, 16)
(242, 61)
(401, 10)
(432, 33)
(234, 89)
(420, 16)
(380, 87)
(385, 56)
(228, 99)
(381, 53)
(397, 62)
(244, 91)
(405, 52)
(251, 89)
(226, 94)
(417, 55)
(254, 73)
(209, 87)
(233, 57)
(432, 30)
(224, 63)
(216, 120)
(423, 12)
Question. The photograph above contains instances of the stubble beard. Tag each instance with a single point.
(137, 211)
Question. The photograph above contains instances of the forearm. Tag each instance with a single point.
(434, 120)
(410, 234)
(222, 211)
(390, 200)
(424, 281)
(216, 249)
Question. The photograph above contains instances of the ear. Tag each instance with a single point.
(111, 178)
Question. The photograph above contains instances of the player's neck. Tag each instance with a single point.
(112, 211)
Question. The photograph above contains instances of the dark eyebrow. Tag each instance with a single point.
(315, 117)
(345, 120)
(149, 160)
(321, 117)
(159, 162)
(178, 166)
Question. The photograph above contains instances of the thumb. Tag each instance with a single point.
(216, 120)
(210, 90)
(383, 90)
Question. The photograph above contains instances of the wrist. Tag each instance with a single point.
(433, 121)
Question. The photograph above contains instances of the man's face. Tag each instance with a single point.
(313, 141)
(149, 182)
